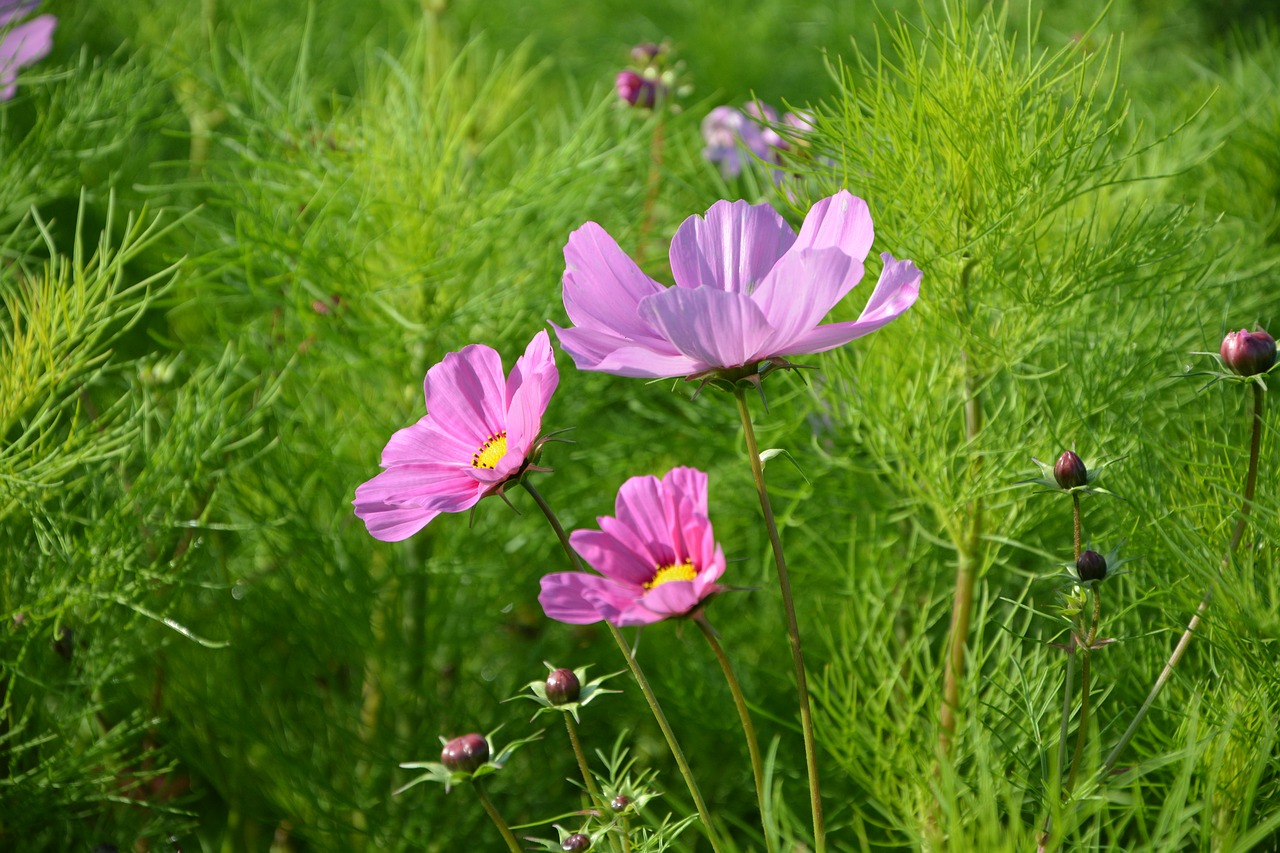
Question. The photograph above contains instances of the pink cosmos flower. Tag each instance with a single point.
(658, 556)
(477, 436)
(21, 44)
(748, 289)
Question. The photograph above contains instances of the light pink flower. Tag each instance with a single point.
(476, 437)
(22, 44)
(747, 289)
(657, 557)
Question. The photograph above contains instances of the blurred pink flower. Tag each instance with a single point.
(21, 44)
(657, 557)
(477, 436)
(747, 289)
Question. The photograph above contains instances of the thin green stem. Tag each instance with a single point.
(636, 673)
(1077, 528)
(793, 627)
(587, 778)
(1250, 484)
(1064, 732)
(739, 701)
(512, 844)
(1086, 653)
(672, 743)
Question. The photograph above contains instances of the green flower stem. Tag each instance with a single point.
(1086, 652)
(637, 673)
(512, 844)
(753, 746)
(587, 778)
(793, 628)
(1065, 731)
(668, 734)
(1250, 484)
(1077, 530)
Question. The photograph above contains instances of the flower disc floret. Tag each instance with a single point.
(657, 557)
(747, 289)
(480, 432)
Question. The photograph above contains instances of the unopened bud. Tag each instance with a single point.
(645, 53)
(1091, 566)
(465, 754)
(620, 803)
(576, 843)
(563, 687)
(636, 89)
(1069, 471)
(1248, 353)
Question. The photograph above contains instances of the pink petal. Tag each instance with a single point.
(896, 291)
(840, 222)
(529, 388)
(712, 327)
(388, 523)
(578, 598)
(444, 488)
(689, 483)
(425, 442)
(602, 287)
(591, 349)
(465, 394)
(615, 552)
(21, 46)
(800, 291)
(673, 598)
(732, 249)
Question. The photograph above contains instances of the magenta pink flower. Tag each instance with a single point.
(747, 289)
(658, 556)
(21, 44)
(477, 436)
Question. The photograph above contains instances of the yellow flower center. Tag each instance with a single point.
(674, 572)
(491, 451)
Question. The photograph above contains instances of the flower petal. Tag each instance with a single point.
(529, 388)
(801, 289)
(731, 249)
(424, 441)
(602, 286)
(22, 45)
(842, 222)
(578, 598)
(402, 500)
(594, 350)
(388, 523)
(617, 553)
(466, 394)
(895, 292)
(713, 327)
(673, 598)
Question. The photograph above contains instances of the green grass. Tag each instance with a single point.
(236, 236)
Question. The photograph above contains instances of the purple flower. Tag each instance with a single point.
(730, 134)
(747, 289)
(1248, 353)
(658, 556)
(23, 44)
(477, 436)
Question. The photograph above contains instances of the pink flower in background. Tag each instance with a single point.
(657, 557)
(732, 137)
(747, 289)
(21, 44)
(477, 436)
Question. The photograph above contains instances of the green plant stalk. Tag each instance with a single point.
(587, 778)
(744, 714)
(1077, 529)
(967, 562)
(512, 843)
(793, 627)
(1250, 484)
(653, 183)
(636, 673)
(1086, 652)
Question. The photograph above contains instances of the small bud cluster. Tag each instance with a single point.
(651, 79)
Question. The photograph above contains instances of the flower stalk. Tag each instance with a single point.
(744, 714)
(793, 627)
(1086, 653)
(1250, 484)
(512, 843)
(593, 790)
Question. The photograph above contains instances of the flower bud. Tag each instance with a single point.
(636, 89)
(576, 843)
(563, 687)
(1091, 566)
(620, 803)
(1248, 353)
(645, 53)
(1069, 471)
(465, 754)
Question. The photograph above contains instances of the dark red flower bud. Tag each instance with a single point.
(576, 843)
(1248, 353)
(1069, 471)
(563, 687)
(465, 754)
(1091, 566)
(636, 89)
(620, 803)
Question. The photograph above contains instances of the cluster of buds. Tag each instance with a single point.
(652, 78)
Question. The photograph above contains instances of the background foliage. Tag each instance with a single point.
(235, 236)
